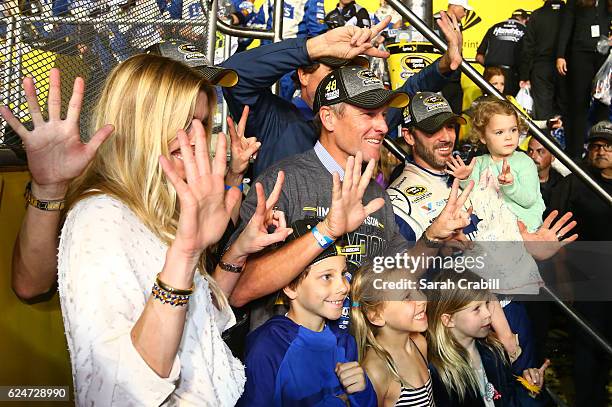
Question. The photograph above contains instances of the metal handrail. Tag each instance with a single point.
(473, 74)
(553, 148)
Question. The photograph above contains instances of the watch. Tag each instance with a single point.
(432, 244)
(232, 268)
(42, 204)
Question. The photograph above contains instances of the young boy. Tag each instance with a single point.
(297, 359)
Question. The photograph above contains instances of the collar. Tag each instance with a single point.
(328, 161)
(303, 107)
(431, 172)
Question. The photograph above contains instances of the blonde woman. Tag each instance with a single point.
(143, 319)
(389, 327)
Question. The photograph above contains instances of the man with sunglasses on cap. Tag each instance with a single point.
(285, 128)
(594, 216)
(326, 183)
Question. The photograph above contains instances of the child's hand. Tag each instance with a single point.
(536, 376)
(458, 169)
(505, 176)
(351, 377)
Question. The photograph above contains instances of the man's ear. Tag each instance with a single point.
(303, 77)
(328, 118)
(290, 292)
(408, 136)
(448, 321)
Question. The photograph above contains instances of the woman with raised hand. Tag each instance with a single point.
(143, 318)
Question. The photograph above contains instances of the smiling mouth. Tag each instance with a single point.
(337, 303)
(420, 316)
(374, 141)
(444, 150)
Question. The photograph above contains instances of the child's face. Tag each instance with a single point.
(405, 316)
(322, 292)
(498, 82)
(474, 321)
(501, 136)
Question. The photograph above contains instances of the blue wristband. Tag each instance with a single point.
(240, 187)
(324, 241)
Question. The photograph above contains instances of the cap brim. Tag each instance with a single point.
(434, 123)
(373, 99)
(600, 136)
(219, 76)
(340, 62)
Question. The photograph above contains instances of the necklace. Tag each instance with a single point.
(487, 389)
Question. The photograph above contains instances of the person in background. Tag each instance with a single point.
(549, 177)
(301, 19)
(537, 64)
(582, 24)
(594, 216)
(348, 12)
(452, 91)
(501, 47)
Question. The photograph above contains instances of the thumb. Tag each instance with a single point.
(98, 138)
(472, 163)
(521, 226)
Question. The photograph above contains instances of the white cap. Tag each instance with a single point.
(462, 3)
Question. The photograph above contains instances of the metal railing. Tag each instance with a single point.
(471, 73)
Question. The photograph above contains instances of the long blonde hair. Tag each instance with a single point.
(449, 357)
(147, 98)
(368, 300)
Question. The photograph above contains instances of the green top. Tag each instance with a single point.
(523, 196)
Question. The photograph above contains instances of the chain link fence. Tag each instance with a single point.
(85, 38)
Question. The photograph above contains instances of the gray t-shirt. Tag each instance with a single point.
(307, 192)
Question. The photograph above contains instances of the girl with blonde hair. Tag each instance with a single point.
(143, 317)
(388, 325)
(469, 365)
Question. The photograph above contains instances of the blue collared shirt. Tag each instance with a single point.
(328, 161)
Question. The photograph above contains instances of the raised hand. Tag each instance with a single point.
(505, 177)
(242, 148)
(347, 211)
(204, 205)
(54, 149)
(458, 169)
(453, 218)
(351, 376)
(255, 236)
(347, 42)
(549, 238)
(452, 32)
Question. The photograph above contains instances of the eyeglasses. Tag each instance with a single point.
(596, 147)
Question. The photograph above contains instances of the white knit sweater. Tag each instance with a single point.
(107, 264)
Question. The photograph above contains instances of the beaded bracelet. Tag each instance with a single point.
(166, 297)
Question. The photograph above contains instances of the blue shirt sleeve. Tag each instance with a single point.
(405, 229)
(314, 15)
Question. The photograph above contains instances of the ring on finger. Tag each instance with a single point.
(559, 236)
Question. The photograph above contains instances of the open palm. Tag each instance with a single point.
(205, 207)
(54, 148)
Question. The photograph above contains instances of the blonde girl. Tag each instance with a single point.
(469, 365)
(143, 318)
(388, 326)
(507, 189)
